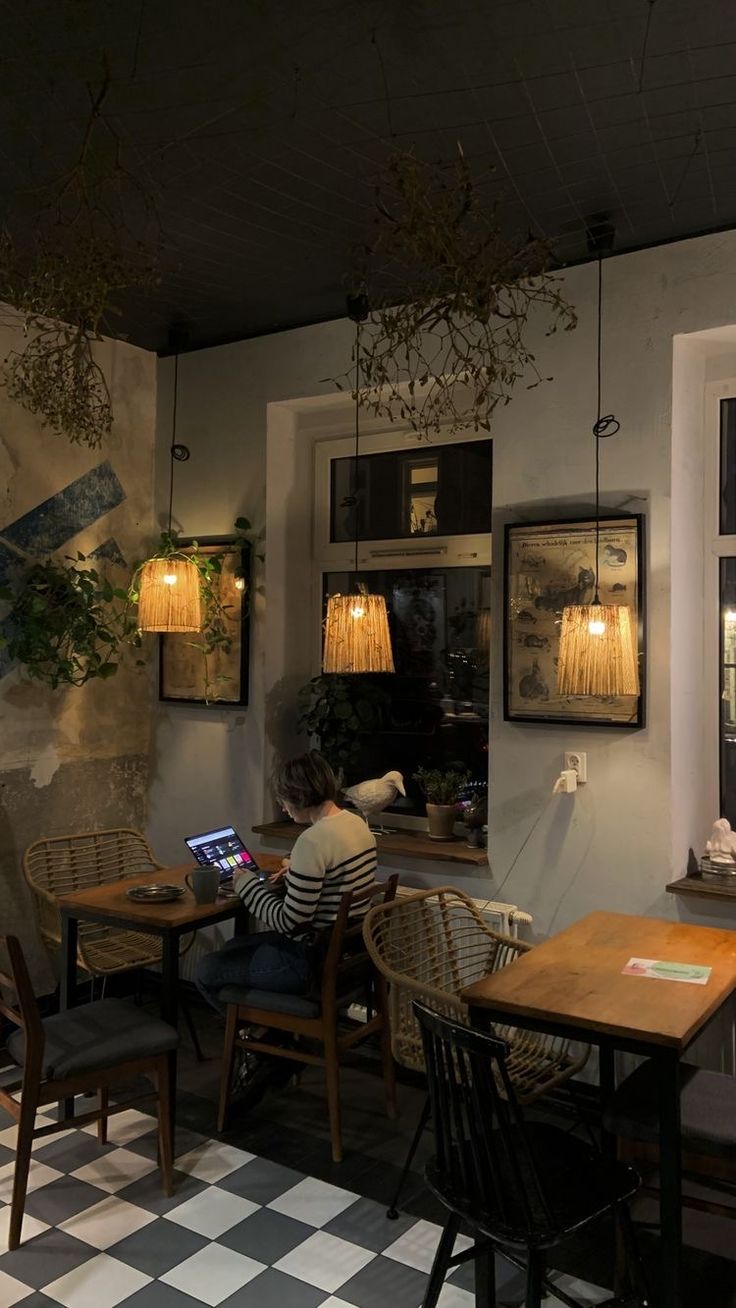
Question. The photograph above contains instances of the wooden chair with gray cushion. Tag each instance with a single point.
(347, 976)
(707, 1128)
(84, 1049)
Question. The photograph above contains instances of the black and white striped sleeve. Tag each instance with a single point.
(304, 882)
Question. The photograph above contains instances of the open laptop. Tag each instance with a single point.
(224, 850)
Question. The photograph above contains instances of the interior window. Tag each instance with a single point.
(439, 696)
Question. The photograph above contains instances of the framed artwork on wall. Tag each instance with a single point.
(190, 670)
(549, 565)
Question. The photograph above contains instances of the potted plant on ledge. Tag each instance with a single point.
(442, 791)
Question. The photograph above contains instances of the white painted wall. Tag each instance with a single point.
(618, 841)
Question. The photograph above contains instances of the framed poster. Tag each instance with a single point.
(191, 670)
(549, 565)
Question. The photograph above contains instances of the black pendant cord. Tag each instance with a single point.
(603, 427)
(357, 441)
(177, 453)
(172, 455)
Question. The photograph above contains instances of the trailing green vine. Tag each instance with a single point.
(66, 623)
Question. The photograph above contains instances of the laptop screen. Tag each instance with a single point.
(222, 849)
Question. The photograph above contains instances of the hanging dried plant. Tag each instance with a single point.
(62, 297)
(63, 278)
(450, 297)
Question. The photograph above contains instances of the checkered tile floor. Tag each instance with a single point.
(239, 1230)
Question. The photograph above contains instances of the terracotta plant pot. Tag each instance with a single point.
(441, 819)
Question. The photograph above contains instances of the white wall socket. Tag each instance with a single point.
(578, 761)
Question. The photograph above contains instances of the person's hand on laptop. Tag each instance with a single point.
(280, 873)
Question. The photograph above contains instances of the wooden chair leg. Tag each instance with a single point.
(228, 1058)
(165, 1124)
(22, 1165)
(102, 1121)
(441, 1261)
(534, 1280)
(485, 1278)
(387, 1057)
(332, 1077)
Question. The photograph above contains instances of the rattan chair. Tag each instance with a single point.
(57, 865)
(429, 946)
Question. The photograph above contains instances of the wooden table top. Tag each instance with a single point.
(575, 979)
(110, 903)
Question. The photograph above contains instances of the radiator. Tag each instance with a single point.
(506, 918)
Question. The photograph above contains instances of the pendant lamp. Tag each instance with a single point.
(168, 584)
(357, 637)
(598, 645)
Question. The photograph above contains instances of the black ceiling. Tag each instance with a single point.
(258, 126)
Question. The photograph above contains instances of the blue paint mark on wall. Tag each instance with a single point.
(110, 551)
(7, 560)
(52, 523)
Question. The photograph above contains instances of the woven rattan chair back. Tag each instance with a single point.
(57, 865)
(430, 946)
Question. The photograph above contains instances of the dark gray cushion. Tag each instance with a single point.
(294, 1005)
(707, 1109)
(101, 1034)
(269, 1001)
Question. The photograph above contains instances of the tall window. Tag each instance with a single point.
(423, 517)
(725, 548)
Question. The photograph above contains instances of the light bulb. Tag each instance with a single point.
(169, 579)
(596, 627)
(358, 611)
(240, 583)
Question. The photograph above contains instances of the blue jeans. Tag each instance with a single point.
(263, 961)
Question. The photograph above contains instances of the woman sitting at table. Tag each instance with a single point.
(336, 854)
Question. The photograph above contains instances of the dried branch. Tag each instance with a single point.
(450, 299)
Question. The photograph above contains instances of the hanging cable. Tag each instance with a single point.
(603, 427)
(177, 453)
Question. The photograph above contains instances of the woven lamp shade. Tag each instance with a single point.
(166, 605)
(357, 637)
(604, 664)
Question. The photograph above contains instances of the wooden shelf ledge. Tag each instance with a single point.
(410, 844)
(704, 888)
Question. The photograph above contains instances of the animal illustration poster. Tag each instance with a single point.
(549, 566)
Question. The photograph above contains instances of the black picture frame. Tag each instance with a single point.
(180, 680)
(545, 565)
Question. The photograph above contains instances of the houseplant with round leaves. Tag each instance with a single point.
(442, 790)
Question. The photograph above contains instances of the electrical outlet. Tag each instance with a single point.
(578, 761)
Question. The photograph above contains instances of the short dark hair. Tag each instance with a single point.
(305, 782)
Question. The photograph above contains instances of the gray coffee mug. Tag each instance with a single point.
(204, 883)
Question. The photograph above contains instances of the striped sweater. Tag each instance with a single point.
(333, 856)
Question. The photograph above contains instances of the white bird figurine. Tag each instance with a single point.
(374, 795)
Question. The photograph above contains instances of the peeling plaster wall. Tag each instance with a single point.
(74, 759)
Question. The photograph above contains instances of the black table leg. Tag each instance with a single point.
(68, 979)
(170, 1005)
(670, 1178)
(607, 1083)
(68, 985)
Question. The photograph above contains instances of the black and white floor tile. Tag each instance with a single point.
(239, 1230)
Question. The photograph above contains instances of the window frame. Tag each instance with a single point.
(408, 551)
(435, 551)
(716, 548)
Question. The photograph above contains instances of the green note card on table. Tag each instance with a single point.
(664, 971)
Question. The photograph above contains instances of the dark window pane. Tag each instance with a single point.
(727, 524)
(438, 717)
(728, 690)
(441, 489)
